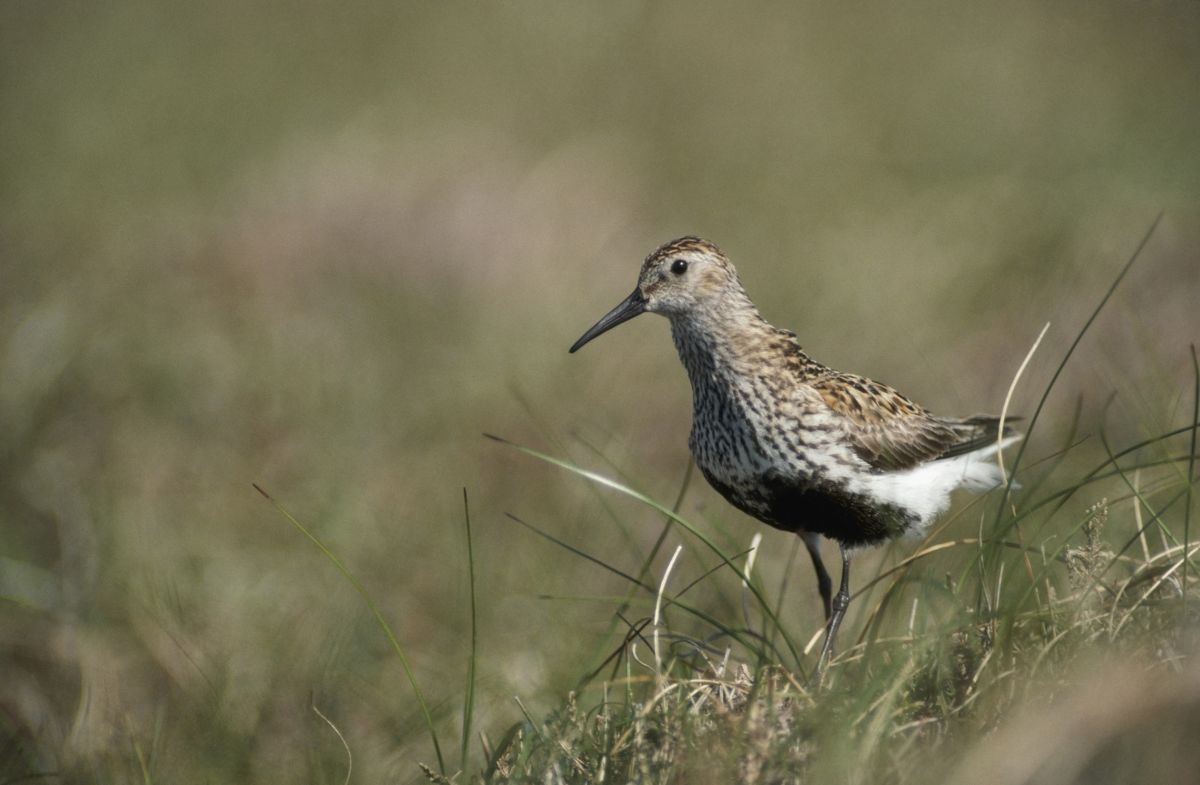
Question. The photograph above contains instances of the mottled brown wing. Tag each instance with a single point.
(890, 432)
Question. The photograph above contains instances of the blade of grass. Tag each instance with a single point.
(143, 766)
(1012, 387)
(469, 698)
(754, 543)
(383, 625)
(1000, 435)
(341, 738)
(528, 716)
(662, 589)
(1191, 478)
(580, 553)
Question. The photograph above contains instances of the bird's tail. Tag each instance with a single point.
(980, 470)
(976, 433)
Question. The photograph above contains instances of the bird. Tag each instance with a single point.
(793, 443)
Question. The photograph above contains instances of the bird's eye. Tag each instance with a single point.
(679, 266)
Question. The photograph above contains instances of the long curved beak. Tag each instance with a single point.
(630, 307)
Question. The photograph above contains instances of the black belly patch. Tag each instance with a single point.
(820, 507)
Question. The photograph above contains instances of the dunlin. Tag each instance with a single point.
(791, 442)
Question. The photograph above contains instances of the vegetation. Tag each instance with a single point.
(1011, 625)
(324, 249)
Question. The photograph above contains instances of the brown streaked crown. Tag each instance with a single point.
(683, 245)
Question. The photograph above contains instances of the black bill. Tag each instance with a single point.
(630, 307)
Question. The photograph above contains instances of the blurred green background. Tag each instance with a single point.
(325, 246)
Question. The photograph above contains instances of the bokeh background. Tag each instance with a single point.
(324, 247)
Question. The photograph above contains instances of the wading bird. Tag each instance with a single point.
(797, 445)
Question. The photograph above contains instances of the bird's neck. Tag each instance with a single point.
(729, 342)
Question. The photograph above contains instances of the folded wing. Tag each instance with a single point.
(891, 433)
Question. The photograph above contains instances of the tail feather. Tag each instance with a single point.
(977, 433)
(925, 489)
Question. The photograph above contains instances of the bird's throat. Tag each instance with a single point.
(720, 341)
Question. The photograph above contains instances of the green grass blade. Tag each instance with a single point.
(1191, 479)
(580, 553)
(383, 625)
(469, 698)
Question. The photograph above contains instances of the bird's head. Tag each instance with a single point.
(682, 277)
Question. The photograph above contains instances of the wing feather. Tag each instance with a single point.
(892, 433)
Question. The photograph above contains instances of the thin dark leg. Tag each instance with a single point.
(841, 601)
(824, 582)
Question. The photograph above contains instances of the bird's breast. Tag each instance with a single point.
(726, 438)
(779, 460)
(745, 427)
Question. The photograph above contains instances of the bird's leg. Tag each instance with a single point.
(824, 582)
(841, 601)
